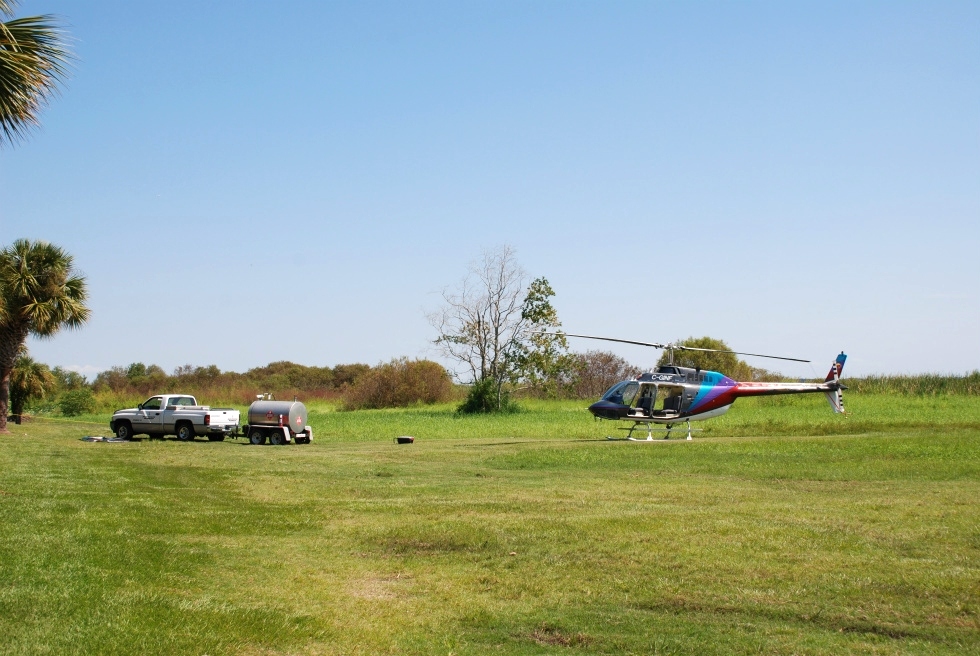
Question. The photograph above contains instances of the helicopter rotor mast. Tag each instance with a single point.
(670, 348)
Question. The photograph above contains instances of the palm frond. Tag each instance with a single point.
(40, 289)
(34, 61)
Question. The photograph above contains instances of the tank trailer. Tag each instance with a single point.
(280, 422)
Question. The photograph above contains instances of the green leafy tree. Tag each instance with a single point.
(722, 360)
(40, 293)
(77, 402)
(68, 380)
(29, 380)
(113, 379)
(136, 371)
(348, 374)
(540, 358)
(34, 62)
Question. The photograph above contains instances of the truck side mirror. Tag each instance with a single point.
(139, 407)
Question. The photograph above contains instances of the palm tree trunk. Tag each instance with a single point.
(11, 340)
(4, 400)
(16, 406)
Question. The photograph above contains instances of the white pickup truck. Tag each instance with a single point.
(174, 414)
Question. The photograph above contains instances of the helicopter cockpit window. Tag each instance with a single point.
(615, 392)
(623, 393)
(629, 393)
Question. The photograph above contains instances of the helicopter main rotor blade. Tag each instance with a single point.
(607, 339)
(757, 355)
(671, 346)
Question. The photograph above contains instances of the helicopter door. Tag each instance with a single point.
(672, 398)
(646, 401)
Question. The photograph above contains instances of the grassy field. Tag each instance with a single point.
(781, 529)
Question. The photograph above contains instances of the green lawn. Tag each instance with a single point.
(781, 529)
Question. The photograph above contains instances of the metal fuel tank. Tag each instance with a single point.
(278, 413)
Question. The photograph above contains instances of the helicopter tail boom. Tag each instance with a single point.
(831, 386)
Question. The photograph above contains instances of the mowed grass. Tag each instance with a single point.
(781, 529)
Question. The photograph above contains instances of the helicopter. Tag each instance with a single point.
(674, 395)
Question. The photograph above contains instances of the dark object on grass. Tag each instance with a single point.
(404, 439)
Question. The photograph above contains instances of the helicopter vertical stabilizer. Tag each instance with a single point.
(836, 397)
(836, 368)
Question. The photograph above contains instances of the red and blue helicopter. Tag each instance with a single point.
(674, 395)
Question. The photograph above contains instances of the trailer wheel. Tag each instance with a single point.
(256, 437)
(277, 438)
(185, 432)
(124, 431)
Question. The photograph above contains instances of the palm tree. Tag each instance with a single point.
(40, 293)
(28, 380)
(34, 60)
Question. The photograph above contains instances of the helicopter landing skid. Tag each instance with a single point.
(650, 429)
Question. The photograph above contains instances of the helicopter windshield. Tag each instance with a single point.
(623, 393)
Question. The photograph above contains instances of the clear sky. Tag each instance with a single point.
(246, 182)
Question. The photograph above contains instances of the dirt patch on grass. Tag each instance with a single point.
(551, 636)
(376, 587)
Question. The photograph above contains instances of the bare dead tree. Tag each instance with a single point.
(487, 324)
(481, 317)
(597, 371)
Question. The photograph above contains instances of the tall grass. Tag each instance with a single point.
(919, 385)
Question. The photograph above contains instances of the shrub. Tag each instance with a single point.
(482, 399)
(400, 383)
(77, 402)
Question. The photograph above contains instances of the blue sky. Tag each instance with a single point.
(250, 182)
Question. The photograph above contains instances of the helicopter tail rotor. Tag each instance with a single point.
(836, 396)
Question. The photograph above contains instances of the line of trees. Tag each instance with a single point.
(401, 382)
(282, 378)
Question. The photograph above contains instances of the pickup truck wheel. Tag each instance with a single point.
(216, 438)
(124, 431)
(256, 437)
(185, 432)
(277, 438)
